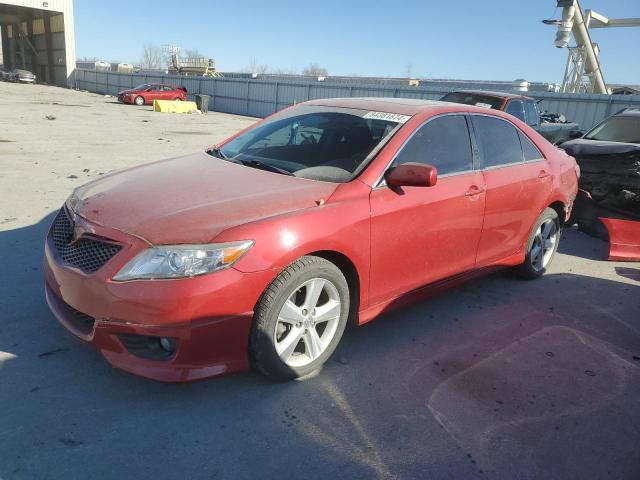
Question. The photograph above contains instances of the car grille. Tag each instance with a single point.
(87, 254)
(81, 321)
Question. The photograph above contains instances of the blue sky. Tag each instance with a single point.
(465, 39)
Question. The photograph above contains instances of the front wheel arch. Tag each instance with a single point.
(349, 270)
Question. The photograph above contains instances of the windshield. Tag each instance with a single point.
(320, 143)
(144, 86)
(620, 128)
(476, 99)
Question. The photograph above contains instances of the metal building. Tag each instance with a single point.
(38, 36)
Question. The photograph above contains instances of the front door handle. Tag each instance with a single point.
(473, 190)
(543, 174)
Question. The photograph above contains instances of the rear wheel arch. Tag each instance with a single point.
(560, 209)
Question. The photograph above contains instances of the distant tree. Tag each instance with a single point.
(152, 57)
(315, 70)
(409, 70)
(193, 53)
(254, 67)
(284, 71)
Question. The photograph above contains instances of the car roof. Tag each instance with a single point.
(491, 93)
(402, 106)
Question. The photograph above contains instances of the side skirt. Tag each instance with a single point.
(435, 288)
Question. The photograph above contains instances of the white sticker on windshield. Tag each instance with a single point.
(390, 117)
(483, 105)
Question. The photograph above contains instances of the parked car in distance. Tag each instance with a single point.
(21, 76)
(261, 249)
(146, 93)
(523, 108)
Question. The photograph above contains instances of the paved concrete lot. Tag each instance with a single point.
(500, 378)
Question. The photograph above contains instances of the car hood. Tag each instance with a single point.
(584, 146)
(192, 199)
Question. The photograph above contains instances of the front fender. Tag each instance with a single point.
(340, 225)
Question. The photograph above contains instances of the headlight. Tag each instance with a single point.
(179, 261)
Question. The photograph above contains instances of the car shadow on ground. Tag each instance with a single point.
(496, 377)
(597, 249)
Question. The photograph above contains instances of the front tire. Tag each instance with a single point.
(299, 319)
(139, 101)
(541, 246)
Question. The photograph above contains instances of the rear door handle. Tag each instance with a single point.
(543, 174)
(473, 190)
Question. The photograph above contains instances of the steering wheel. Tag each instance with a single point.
(308, 139)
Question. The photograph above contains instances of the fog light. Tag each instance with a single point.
(168, 344)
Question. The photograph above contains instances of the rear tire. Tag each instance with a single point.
(139, 101)
(541, 246)
(299, 319)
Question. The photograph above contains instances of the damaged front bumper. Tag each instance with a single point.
(624, 239)
(608, 204)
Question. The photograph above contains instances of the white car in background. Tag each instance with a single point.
(21, 76)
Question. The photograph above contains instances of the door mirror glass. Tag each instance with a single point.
(412, 175)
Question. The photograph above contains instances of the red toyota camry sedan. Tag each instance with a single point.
(146, 93)
(258, 251)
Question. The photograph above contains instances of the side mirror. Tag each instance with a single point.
(575, 134)
(412, 175)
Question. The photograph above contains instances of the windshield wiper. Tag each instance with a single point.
(216, 152)
(265, 166)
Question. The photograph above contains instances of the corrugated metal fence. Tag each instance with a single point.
(260, 97)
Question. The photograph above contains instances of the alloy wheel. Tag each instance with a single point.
(544, 244)
(307, 322)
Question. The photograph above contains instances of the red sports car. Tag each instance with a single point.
(260, 250)
(146, 93)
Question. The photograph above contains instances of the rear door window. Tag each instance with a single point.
(515, 108)
(499, 140)
(443, 143)
(529, 150)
